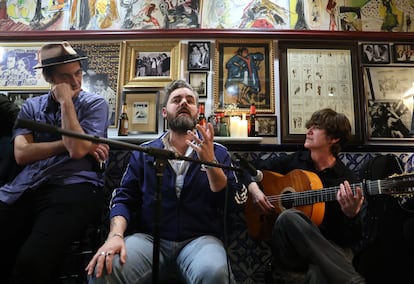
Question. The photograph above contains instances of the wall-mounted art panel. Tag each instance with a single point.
(244, 75)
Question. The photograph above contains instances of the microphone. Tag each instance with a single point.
(256, 175)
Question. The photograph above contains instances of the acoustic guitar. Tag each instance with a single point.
(303, 190)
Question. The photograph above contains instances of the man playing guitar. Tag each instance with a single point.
(296, 241)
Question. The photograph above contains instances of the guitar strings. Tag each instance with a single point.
(374, 187)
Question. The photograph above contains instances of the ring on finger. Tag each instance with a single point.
(102, 253)
(108, 253)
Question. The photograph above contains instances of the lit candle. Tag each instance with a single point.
(234, 126)
(243, 126)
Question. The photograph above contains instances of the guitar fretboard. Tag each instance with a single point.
(302, 198)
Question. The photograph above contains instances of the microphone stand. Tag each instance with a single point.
(161, 158)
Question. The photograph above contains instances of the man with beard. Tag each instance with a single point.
(190, 228)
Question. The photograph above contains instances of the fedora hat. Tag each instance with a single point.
(57, 53)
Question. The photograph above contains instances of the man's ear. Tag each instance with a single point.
(47, 78)
(334, 140)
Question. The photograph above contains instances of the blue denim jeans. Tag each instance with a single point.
(199, 260)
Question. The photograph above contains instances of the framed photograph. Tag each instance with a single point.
(20, 97)
(101, 71)
(373, 53)
(150, 63)
(142, 111)
(267, 125)
(403, 53)
(198, 55)
(198, 80)
(389, 103)
(314, 79)
(16, 67)
(244, 75)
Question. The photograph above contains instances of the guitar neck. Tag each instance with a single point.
(315, 196)
(370, 187)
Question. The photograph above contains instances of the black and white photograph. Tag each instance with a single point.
(198, 56)
(198, 80)
(403, 53)
(389, 119)
(152, 64)
(267, 125)
(389, 102)
(100, 72)
(20, 97)
(375, 53)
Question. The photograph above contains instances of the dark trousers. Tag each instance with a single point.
(298, 243)
(38, 228)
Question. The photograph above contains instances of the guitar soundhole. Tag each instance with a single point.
(287, 200)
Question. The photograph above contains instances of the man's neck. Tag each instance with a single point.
(323, 160)
(178, 141)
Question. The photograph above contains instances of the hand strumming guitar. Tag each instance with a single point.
(260, 200)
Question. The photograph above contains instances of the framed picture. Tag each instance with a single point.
(389, 103)
(142, 111)
(101, 71)
(244, 75)
(150, 63)
(372, 53)
(314, 79)
(403, 53)
(16, 67)
(198, 55)
(198, 80)
(267, 125)
(20, 97)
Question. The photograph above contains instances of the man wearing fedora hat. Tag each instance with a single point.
(59, 191)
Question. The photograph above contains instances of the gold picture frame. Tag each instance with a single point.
(136, 70)
(16, 67)
(101, 72)
(142, 110)
(230, 88)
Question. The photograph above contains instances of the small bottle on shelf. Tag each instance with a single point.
(123, 121)
(223, 127)
(252, 121)
(201, 115)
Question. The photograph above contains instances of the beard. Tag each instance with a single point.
(181, 124)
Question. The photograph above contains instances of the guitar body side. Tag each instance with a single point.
(274, 185)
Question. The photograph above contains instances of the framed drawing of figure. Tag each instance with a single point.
(244, 75)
